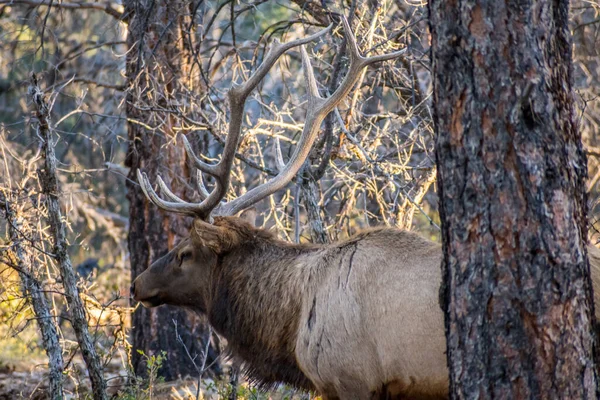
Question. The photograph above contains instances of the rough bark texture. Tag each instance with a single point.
(511, 171)
(313, 210)
(51, 189)
(158, 63)
(35, 294)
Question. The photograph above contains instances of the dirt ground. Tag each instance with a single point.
(29, 380)
(16, 384)
(19, 382)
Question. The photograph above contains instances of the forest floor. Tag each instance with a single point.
(28, 380)
(20, 383)
(24, 375)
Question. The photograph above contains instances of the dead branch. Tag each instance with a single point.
(114, 10)
(32, 289)
(51, 189)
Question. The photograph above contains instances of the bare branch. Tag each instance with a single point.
(114, 10)
(51, 188)
(33, 288)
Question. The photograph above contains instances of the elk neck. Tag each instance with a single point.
(256, 301)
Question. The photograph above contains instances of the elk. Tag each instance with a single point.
(356, 319)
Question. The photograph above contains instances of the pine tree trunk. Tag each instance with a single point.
(511, 173)
(158, 63)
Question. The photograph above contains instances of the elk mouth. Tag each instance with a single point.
(153, 301)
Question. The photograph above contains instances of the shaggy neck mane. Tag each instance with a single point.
(256, 302)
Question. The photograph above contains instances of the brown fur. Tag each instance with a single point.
(359, 319)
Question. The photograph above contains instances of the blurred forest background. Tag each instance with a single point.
(123, 80)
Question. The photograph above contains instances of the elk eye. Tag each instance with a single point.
(185, 255)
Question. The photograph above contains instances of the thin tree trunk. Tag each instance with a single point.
(511, 172)
(158, 74)
(50, 188)
(310, 197)
(33, 291)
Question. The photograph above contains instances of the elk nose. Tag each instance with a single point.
(132, 291)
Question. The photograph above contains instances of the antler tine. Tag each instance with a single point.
(167, 192)
(201, 165)
(318, 108)
(276, 50)
(357, 63)
(221, 171)
(309, 76)
(279, 155)
(351, 45)
(384, 57)
(237, 96)
(200, 184)
(174, 206)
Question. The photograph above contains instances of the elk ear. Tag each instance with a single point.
(216, 238)
(249, 216)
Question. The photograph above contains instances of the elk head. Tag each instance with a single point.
(180, 277)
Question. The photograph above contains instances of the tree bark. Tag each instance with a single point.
(516, 293)
(51, 189)
(33, 291)
(310, 195)
(158, 66)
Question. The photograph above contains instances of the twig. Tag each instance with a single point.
(379, 170)
(202, 368)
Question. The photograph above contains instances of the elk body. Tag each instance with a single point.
(351, 320)
(357, 319)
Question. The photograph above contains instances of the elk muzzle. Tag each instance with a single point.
(140, 292)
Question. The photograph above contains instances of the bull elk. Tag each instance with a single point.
(357, 319)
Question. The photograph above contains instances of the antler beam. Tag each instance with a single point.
(318, 108)
(221, 171)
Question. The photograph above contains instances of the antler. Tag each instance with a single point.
(318, 108)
